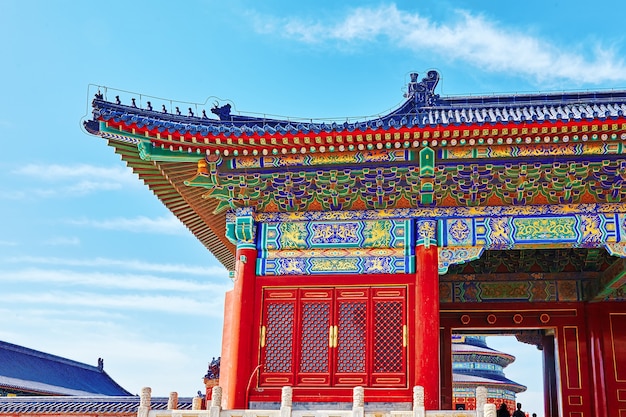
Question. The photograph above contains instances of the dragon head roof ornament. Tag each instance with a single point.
(423, 92)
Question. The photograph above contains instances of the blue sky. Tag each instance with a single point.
(92, 265)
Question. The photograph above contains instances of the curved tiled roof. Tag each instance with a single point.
(421, 109)
(127, 405)
(165, 180)
(24, 369)
(461, 349)
(164, 147)
(491, 380)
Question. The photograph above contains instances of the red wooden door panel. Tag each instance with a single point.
(278, 337)
(351, 338)
(320, 337)
(314, 366)
(389, 338)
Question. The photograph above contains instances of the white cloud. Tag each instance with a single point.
(71, 180)
(154, 303)
(8, 243)
(168, 225)
(144, 283)
(131, 264)
(471, 38)
(54, 173)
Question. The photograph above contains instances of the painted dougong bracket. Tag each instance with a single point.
(613, 278)
(458, 255)
(242, 231)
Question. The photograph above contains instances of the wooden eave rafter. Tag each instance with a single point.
(166, 177)
(186, 203)
(613, 278)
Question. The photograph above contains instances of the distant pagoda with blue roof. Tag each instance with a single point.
(476, 364)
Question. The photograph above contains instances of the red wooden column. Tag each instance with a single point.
(239, 314)
(426, 319)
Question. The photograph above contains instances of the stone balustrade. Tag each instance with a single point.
(214, 409)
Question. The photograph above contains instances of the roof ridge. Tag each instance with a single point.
(48, 356)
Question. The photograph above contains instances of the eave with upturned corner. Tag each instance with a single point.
(468, 158)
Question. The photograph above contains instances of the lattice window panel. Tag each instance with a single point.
(302, 327)
(388, 337)
(315, 324)
(279, 338)
(352, 322)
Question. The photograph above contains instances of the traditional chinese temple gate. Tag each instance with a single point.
(357, 248)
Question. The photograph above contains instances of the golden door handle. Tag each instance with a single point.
(331, 336)
(263, 330)
(405, 335)
(335, 337)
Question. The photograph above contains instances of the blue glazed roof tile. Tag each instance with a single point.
(422, 108)
(25, 369)
(84, 404)
(491, 379)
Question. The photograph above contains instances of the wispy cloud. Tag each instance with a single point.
(168, 225)
(70, 180)
(132, 264)
(471, 38)
(55, 173)
(8, 243)
(111, 280)
(161, 303)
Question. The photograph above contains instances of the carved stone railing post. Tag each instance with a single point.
(490, 410)
(286, 401)
(481, 400)
(144, 402)
(418, 402)
(172, 402)
(358, 402)
(216, 402)
(196, 403)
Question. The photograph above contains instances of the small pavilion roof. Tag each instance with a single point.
(487, 380)
(462, 349)
(24, 369)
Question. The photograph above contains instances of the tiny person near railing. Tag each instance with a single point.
(519, 412)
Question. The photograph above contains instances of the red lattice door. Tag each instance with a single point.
(351, 337)
(389, 337)
(314, 337)
(334, 337)
(277, 337)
